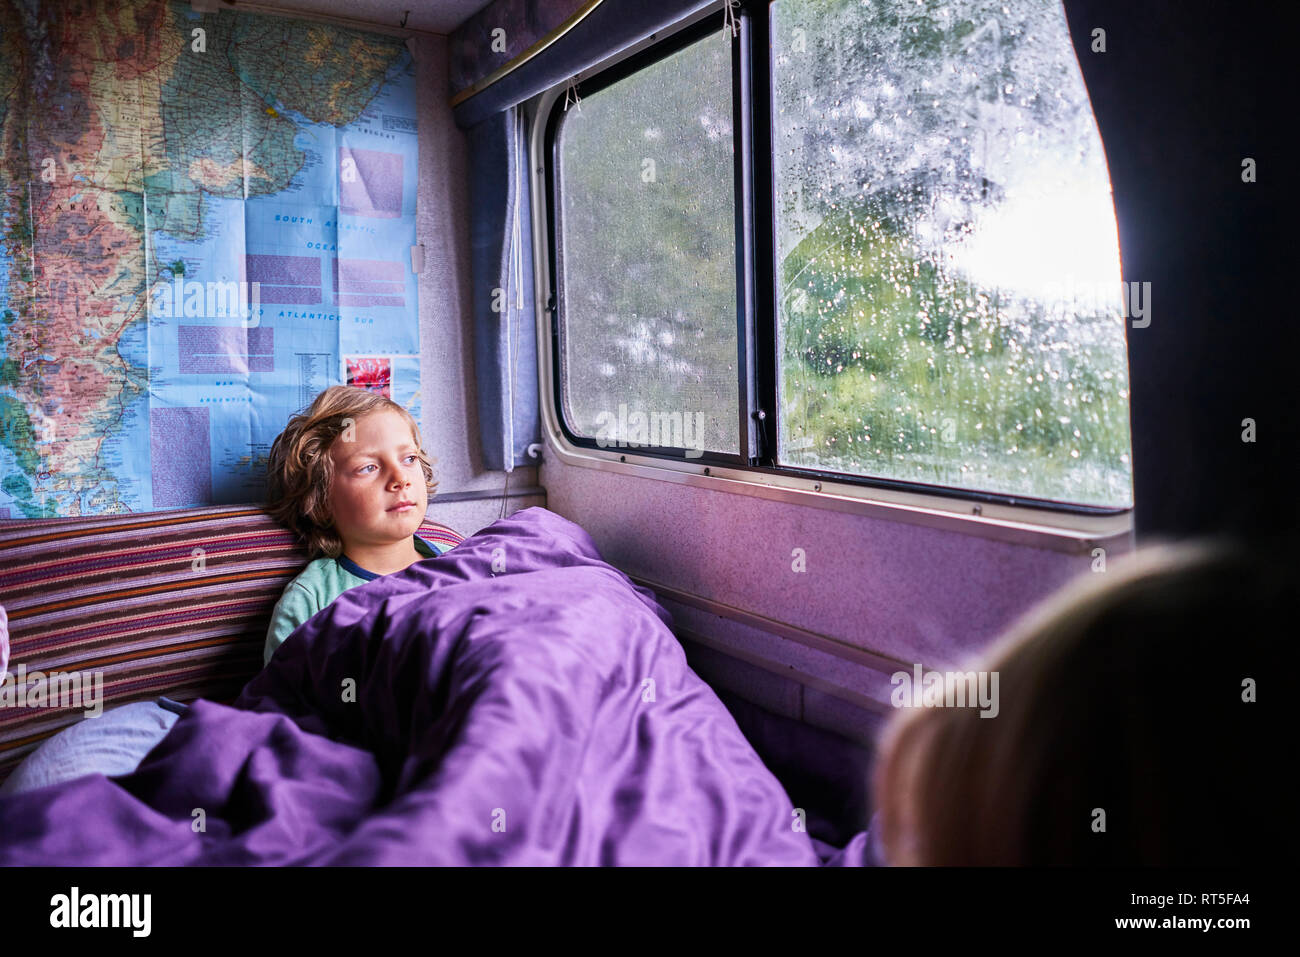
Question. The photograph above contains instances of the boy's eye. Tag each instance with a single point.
(364, 467)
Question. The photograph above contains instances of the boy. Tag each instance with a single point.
(349, 476)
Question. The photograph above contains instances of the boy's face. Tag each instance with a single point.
(373, 472)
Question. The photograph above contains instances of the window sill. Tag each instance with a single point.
(1072, 533)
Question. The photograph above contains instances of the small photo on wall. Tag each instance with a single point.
(374, 373)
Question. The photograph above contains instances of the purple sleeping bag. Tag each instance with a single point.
(514, 701)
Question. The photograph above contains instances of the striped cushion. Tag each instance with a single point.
(173, 603)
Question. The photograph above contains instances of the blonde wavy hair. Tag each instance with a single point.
(300, 472)
(1125, 693)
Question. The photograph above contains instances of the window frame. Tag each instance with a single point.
(1042, 521)
(661, 50)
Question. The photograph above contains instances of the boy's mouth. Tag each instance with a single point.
(402, 506)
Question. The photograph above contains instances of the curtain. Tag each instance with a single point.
(505, 338)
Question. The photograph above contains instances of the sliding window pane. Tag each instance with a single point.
(949, 298)
(646, 256)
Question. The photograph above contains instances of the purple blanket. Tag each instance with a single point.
(514, 701)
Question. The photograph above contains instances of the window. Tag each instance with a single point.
(942, 204)
(944, 306)
(646, 257)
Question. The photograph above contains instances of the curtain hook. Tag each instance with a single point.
(572, 90)
(729, 8)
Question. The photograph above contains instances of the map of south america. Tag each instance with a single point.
(205, 220)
